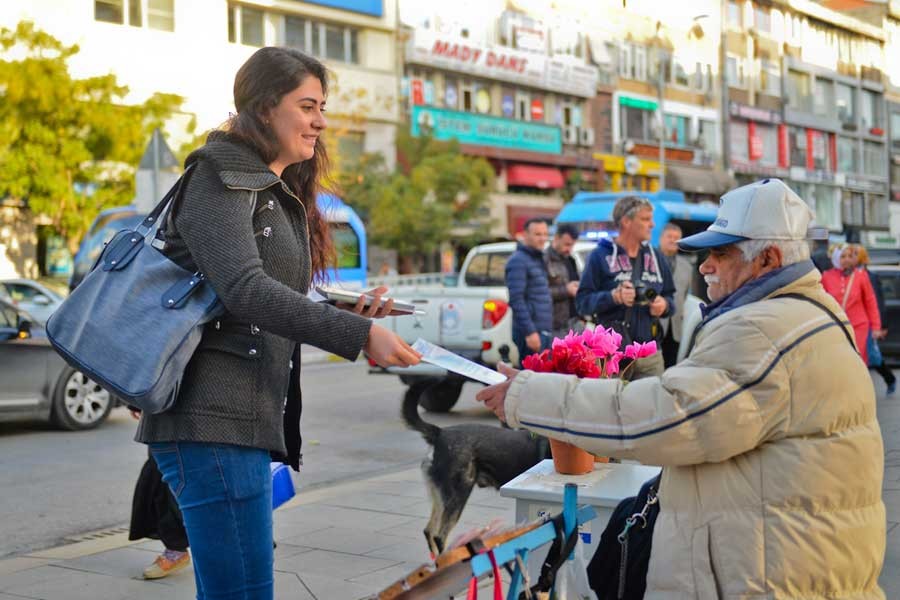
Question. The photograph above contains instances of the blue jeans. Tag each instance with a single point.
(225, 496)
(524, 350)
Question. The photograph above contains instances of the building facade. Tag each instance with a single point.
(806, 102)
(506, 92)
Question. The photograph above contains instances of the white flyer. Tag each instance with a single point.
(454, 362)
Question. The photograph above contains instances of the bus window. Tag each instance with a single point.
(346, 246)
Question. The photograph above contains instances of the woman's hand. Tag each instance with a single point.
(373, 310)
(388, 350)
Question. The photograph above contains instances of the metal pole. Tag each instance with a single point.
(155, 144)
(662, 117)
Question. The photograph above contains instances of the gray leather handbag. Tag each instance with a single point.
(135, 320)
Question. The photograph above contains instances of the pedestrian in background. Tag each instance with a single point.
(562, 274)
(876, 360)
(155, 515)
(529, 290)
(682, 267)
(248, 221)
(853, 291)
(625, 286)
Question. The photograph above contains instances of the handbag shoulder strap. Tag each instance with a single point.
(824, 308)
(847, 290)
(153, 219)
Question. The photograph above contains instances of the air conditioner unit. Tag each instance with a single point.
(570, 134)
(586, 136)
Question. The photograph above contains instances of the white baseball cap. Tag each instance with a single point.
(764, 210)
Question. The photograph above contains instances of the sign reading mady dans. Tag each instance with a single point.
(564, 74)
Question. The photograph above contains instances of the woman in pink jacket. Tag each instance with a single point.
(853, 291)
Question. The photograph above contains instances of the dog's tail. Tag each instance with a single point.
(411, 415)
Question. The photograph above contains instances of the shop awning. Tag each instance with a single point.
(545, 178)
(697, 180)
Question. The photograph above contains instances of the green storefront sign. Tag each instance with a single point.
(486, 131)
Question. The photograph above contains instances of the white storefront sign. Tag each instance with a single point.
(562, 74)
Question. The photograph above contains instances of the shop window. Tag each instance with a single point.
(451, 93)
(251, 26)
(636, 123)
(895, 132)
(160, 14)
(823, 99)
(350, 146)
(797, 143)
(820, 152)
(870, 110)
(739, 141)
(706, 136)
(467, 97)
(761, 18)
(523, 106)
(681, 76)
(735, 72)
(845, 102)
(847, 155)
(878, 212)
(769, 78)
(874, 159)
(768, 134)
(677, 129)
(799, 91)
(853, 208)
(735, 13)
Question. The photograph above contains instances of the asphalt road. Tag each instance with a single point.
(58, 485)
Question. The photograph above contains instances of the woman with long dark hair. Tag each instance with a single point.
(248, 221)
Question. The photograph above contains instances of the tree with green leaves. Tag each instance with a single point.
(68, 146)
(436, 193)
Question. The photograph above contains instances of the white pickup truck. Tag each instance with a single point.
(472, 319)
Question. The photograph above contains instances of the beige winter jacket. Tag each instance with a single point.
(772, 454)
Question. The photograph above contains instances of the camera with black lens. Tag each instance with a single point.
(644, 295)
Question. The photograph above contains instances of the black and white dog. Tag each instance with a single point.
(464, 456)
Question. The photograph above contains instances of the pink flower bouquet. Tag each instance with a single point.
(592, 354)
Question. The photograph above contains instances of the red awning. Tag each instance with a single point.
(544, 178)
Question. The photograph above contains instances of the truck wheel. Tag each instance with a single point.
(440, 397)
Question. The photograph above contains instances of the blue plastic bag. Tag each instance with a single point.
(874, 352)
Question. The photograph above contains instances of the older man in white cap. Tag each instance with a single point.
(771, 453)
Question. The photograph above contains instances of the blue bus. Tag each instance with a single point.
(591, 212)
(347, 230)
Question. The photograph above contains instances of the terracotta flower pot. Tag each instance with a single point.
(569, 459)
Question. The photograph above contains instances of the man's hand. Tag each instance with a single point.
(879, 334)
(572, 288)
(658, 306)
(533, 341)
(625, 293)
(494, 396)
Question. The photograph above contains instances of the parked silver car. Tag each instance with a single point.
(35, 382)
(36, 299)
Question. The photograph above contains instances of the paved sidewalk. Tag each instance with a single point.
(341, 542)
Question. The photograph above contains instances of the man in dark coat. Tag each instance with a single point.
(563, 276)
(529, 291)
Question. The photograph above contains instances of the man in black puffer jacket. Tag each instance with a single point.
(529, 291)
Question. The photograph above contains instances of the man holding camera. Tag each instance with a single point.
(626, 286)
